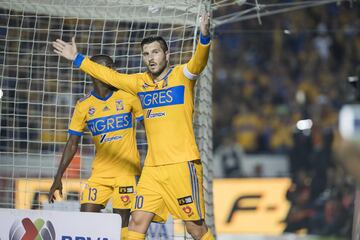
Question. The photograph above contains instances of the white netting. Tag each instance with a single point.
(40, 89)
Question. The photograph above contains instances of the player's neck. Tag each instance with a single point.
(102, 92)
(160, 77)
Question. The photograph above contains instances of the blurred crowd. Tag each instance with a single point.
(269, 77)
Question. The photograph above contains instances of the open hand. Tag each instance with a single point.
(64, 49)
(205, 23)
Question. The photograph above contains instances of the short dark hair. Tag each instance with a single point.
(158, 39)
(103, 60)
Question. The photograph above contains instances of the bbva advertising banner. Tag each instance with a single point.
(50, 225)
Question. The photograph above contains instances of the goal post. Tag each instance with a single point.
(40, 89)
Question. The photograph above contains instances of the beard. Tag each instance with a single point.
(158, 72)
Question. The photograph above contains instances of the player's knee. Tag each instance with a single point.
(136, 219)
(196, 229)
(140, 221)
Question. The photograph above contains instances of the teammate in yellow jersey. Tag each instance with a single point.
(171, 179)
(110, 117)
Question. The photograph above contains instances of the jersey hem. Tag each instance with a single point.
(157, 165)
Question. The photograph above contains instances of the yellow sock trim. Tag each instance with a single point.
(124, 233)
(135, 236)
(208, 236)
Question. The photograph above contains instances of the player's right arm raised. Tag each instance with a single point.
(126, 82)
(199, 60)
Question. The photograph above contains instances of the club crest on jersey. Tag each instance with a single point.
(150, 114)
(185, 200)
(119, 105)
(128, 189)
(91, 111)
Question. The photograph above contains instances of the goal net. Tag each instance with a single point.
(40, 89)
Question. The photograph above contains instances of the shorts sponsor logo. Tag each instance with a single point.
(125, 199)
(37, 230)
(150, 114)
(185, 200)
(188, 211)
(128, 189)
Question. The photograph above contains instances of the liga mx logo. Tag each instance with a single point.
(28, 230)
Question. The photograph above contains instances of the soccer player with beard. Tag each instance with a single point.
(171, 179)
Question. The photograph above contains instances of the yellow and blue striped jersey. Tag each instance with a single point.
(111, 122)
(168, 105)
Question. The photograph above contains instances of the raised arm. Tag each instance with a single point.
(199, 60)
(126, 82)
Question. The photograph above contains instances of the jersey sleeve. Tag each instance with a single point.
(125, 82)
(78, 121)
(199, 60)
(137, 109)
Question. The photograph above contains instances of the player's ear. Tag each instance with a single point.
(167, 55)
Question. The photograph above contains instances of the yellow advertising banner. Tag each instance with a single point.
(35, 191)
(240, 205)
(250, 205)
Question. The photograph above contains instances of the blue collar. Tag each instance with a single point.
(101, 98)
(167, 74)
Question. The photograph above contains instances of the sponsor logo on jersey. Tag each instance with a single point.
(150, 114)
(185, 200)
(163, 97)
(111, 123)
(104, 139)
(91, 111)
(119, 105)
(128, 189)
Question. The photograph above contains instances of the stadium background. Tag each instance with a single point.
(267, 78)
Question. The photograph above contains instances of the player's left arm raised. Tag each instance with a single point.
(199, 60)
